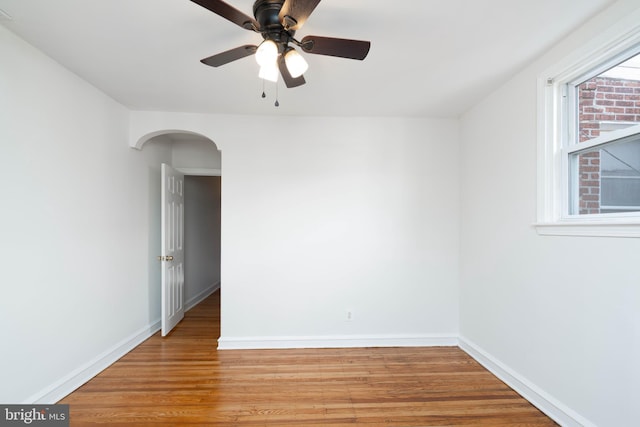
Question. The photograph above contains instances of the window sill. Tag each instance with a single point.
(629, 228)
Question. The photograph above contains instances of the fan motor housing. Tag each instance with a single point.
(267, 14)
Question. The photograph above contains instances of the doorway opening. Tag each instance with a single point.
(198, 159)
(202, 202)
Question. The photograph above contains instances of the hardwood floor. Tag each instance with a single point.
(184, 380)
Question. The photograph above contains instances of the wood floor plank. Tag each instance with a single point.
(183, 380)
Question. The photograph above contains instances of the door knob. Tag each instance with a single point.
(169, 258)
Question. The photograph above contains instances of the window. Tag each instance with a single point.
(604, 150)
(589, 151)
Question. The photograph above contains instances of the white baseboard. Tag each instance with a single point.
(84, 373)
(195, 300)
(346, 341)
(81, 375)
(539, 398)
(556, 410)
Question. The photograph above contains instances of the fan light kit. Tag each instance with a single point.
(296, 64)
(277, 21)
(267, 53)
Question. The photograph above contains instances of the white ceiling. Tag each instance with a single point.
(428, 58)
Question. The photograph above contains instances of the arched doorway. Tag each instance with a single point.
(198, 158)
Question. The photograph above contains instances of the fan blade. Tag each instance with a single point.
(294, 13)
(230, 55)
(230, 13)
(289, 81)
(343, 48)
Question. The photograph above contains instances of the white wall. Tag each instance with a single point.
(325, 215)
(320, 216)
(359, 214)
(563, 313)
(201, 236)
(195, 154)
(79, 273)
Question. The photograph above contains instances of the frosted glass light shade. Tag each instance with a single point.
(267, 53)
(269, 72)
(296, 64)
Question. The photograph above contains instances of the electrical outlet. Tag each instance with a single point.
(349, 316)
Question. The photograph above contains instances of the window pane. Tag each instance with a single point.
(610, 101)
(607, 178)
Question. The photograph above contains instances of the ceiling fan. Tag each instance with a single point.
(277, 21)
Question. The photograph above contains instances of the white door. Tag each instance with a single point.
(172, 257)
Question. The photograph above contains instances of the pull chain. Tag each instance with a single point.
(264, 94)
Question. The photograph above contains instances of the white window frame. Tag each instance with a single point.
(556, 135)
